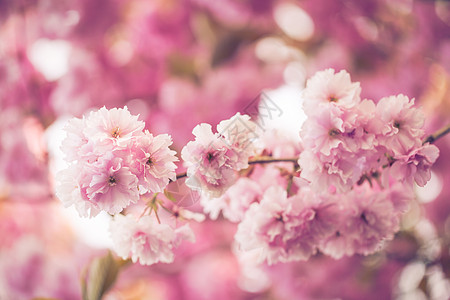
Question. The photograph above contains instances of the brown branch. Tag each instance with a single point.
(437, 135)
(181, 175)
(259, 160)
(269, 159)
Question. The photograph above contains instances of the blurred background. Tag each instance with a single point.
(178, 63)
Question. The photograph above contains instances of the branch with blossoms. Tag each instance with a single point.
(342, 191)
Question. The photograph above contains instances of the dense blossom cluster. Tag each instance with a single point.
(341, 192)
(112, 162)
(184, 62)
(345, 137)
(357, 166)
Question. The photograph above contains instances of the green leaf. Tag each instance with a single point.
(100, 277)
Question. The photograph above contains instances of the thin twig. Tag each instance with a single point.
(437, 135)
(259, 160)
(269, 159)
(181, 175)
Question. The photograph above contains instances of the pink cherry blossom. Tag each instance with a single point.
(240, 134)
(282, 229)
(340, 172)
(401, 124)
(278, 143)
(70, 191)
(367, 219)
(235, 202)
(75, 144)
(111, 186)
(114, 162)
(330, 89)
(154, 162)
(208, 163)
(115, 125)
(145, 240)
(106, 185)
(415, 165)
(322, 132)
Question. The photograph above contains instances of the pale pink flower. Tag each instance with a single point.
(325, 209)
(153, 162)
(78, 146)
(322, 132)
(112, 162)
(240, 134)
(111, 186)
(235, 202)
(106, 185)
(114, 125)
(400, 124)
(368, 219)
(70, 191)
(361, 127)
(278, 143)
(372, 220)
(208, 163)
(75, 145)
(280, 227)
(415, 165)
(145, 240)
(341, 171)
(330, 89)
(400, 194)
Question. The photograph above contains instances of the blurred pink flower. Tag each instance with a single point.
(235, 202)
(145, 240)
(278, 227)
(327, 88)
(367, 219)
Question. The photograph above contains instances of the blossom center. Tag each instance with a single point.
(332, 98)
(115, 132)
(209, 156)
(364, 218)
(112, 181)
(397, 124)
(333, 132)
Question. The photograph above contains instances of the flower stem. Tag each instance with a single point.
(269, 159)
(437, 135)
(259, 160)
(181, 175)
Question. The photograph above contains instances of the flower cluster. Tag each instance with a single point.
(112, 162)
(214, 159)
(341, 191)
(357, 167)
(345, 137)
(283, 229)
